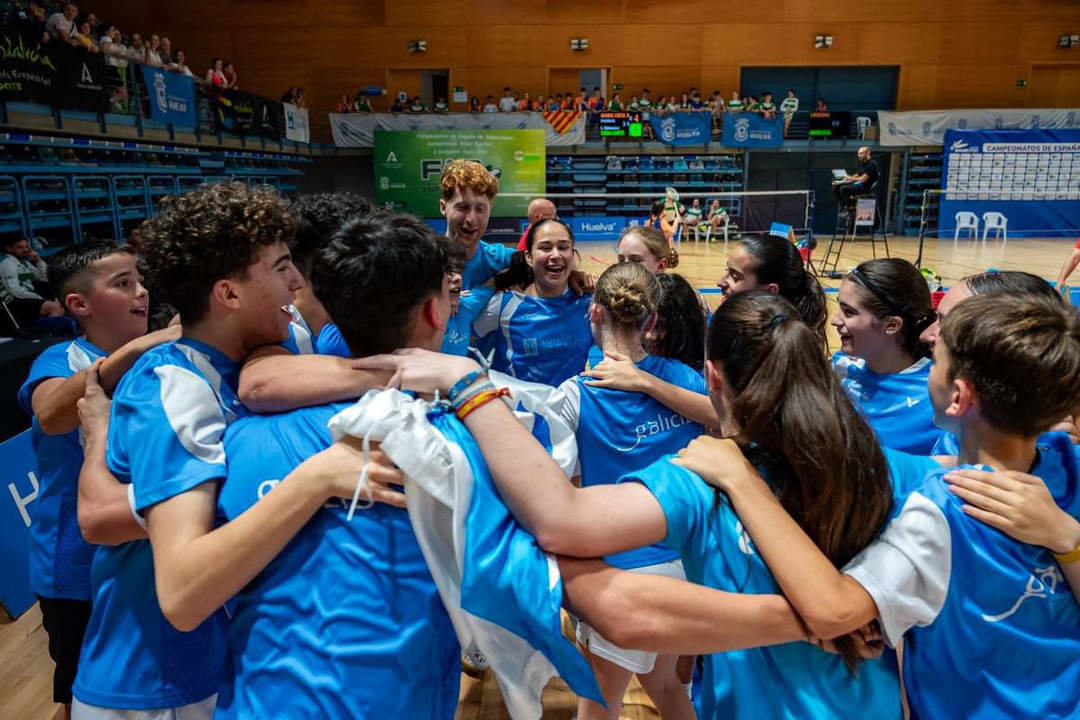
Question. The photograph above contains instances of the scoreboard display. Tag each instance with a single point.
(621, 125)
(830, 124)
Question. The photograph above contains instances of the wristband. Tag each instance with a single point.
(477, 389)
(1068, 557)
(457, 388)
(479, 400)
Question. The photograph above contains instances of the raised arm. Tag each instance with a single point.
(619, 373)
(275, 380)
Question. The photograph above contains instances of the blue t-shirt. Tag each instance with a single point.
(544, 340)
(794, 680)
(489, 259)
(897, 405)
(330, 342)
(168, 419)
(459, 326)
(59, 557)
(619, 431)
(1006, 641)
(346, 621)
(300, 340)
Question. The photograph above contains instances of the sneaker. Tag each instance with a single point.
(473, 662)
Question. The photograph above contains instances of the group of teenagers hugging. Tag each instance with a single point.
(751, 527)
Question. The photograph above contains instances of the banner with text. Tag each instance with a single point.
(296, 123)
(752, 130)
(408, 165)
(1032, 177)
(927, 127)
(19, 478)
(82, 83)
(172, 96)
(28, 69)
(682, 128)
(358, 129)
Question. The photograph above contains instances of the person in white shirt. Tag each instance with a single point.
(788, 108)
(23, 276)
(490, 106)
(180, 65)
(61, 25)
(153, 56)
(113, 47)
(507, 103)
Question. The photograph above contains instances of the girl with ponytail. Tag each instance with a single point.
(884, 306)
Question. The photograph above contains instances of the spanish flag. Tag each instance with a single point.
(561, 120)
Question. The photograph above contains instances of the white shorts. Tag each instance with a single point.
(636, 661)
(202, 710)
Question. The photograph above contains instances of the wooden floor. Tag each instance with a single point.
(25, 667)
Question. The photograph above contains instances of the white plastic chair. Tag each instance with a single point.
(724, 227)
(966, 221)
(997, 222)
(862, 123)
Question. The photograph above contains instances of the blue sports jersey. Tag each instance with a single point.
(1006, 641)
(169, 414)
(897, 405)
(346, 621)
(300, 340)
(619, 431)
(794, 680)
(459, 326)
(489, 259)
(59, 557)
(906, 473)
(544, 340)
(330, 342)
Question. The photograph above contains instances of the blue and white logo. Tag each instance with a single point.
(742, 129)
(667, 129)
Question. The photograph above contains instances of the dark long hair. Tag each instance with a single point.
(680, 322)
(797, 425)
(519, 272)
(893, 287)
(777, 261)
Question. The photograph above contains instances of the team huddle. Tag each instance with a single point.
(751, 527)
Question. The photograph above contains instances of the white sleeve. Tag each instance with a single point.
(559, 407)
(488, 319)
(41, 271)
(906, 570)
(9, 276)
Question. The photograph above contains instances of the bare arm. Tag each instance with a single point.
(831, 603)
(661, 614)
(55, 400)
(198, 567)
(1067, 268)
(619, 372)
(275, 380)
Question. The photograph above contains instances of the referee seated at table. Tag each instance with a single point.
(859, 183)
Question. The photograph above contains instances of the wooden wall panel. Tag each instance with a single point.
(1049, 82)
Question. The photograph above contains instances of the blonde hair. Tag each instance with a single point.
(629, 292)
(655, 242)
(460, 174)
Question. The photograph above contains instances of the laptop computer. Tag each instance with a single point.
(839, 174)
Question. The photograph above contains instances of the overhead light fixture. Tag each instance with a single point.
(1069, 41)
(418, 46)
(578, 44)
(823, 41)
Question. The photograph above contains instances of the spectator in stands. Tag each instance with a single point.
(568, 101)
(23, 275)
(596, 102)
(343, 106)
(539, 209)
(672, 104)
(361, 103)
(635, 104)
(441, 106)
(859, 182)
(507, 104)
(735, 104)
(112, 46)
(166, 52)
(300, 102)
(539, 104)
(644, 103)
(34, 18)
(288, 97)
(789, 107)
(554, 104)
(397, 106)
(180, 64)
(474, 105)
(490, 106)
(717, 217)
(153, 52)
(525, 103)
(84, 40)
(417, 106)
(751, 104)
(768, 107)
(61, 25)
(821, 106)
(95, 24)
(684, 102)
(581, 102)
(215, 80)
(693, 214)
(136, 49)
(232, 82)
(696, 101)
(615, 105)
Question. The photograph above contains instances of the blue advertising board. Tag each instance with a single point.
(752, 130)
(1032, 177)
(20, 489)
(172, 96)
(682, 128)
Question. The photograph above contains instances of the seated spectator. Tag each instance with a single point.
(397, 106)
(820, 106)
(301, 101)
(343, 106)
(581, 103)
(179, 64)
(83, 39)
(735, 104)
(507, 103)
(789, 107)
(615, 104)
(113, 48)
(554, 104)
(568, 101)
(634, 104)
(361, 103)
(693, 214)
(417, 106)
(751, 104)
(539, 104)
(696, 101)
(440, 106)
(716, 101)
(768, 107)
(61, 25)
(232, 82)
(644, 103)
(136, 49)
(23, 275)
(684, 102)
(215, 81)
(596, 102)
(717, 217)
(490, 106)
(153, 54)
(165, 52)
(474, 105)
(525, 103)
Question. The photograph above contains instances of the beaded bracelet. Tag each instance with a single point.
(463, 383)
(479, 400)
(476, 390)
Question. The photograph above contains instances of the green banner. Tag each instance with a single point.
(408, 165)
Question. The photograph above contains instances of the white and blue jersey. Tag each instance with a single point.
(168, 420)
(60, 559)
(459, 326)
(794, 680)
(346, 621)
(330, 342)
(489, 259)
(896, 405)
(618, 431)
(300, 340)
(543, 340)
(993, 630)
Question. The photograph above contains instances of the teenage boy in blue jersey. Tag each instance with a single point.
(155, 640)
(346, 621)
(100, 286)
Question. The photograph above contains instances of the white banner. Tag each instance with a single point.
(927, 127)
(296, 123)
(358, 129)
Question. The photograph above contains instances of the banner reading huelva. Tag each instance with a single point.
(172, 96)
(752, 130)
(408, 165)
(682, 128)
